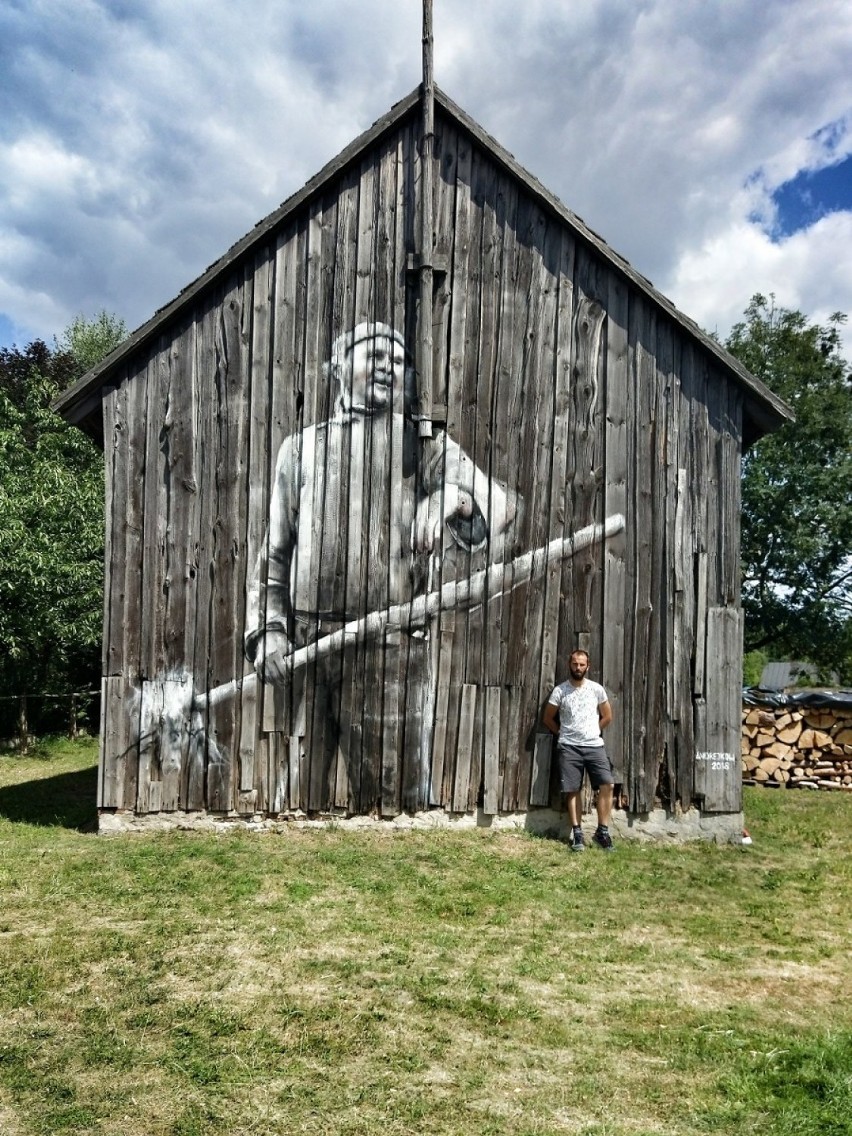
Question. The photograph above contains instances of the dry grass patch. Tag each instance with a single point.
(361, 982)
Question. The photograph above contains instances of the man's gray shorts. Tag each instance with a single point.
(574, 760)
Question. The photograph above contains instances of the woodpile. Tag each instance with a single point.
(807, 748)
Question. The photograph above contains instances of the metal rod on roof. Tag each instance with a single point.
(426, 236)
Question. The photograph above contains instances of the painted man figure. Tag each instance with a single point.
(577, 711)
(361, 511)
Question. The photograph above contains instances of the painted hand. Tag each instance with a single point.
(433, 511)
(271, 659)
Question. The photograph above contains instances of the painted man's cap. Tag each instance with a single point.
(367, 330)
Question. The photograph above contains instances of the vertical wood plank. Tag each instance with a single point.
(442, 701)
(730, 481)
(615, 501)
(586, 454)
(232, 336)
(186, 442)
(335, 266)
(155, 436)
(131, 610)
(489, 454)
(717, 762)
(542, 758)
(451, 622)
(474, 432)
(160, 748)
(317, 401)
(655, 656)
(446, 156)
(644, 448)
(418, 657)
(700, 621)
(114, 743)
(113, 532)
(110, 763)
(379, 662)
(399, 738)
(443, 626)
(560, 505)
(253, 771)
(491, 760)
(291, 405)
(173, 657)
(206, 753)
(461, 782)
(684, 588)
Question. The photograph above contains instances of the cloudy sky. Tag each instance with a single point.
(708, 141)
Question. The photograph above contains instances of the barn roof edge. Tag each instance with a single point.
(79, 404)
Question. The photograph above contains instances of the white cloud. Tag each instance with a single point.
(36, 164)
(808, 271)
(138, 141)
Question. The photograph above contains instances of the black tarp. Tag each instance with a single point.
(812, 699)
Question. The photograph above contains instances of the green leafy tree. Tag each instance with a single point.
(797, 492)
(753, 664)
(51, 518)
(87, 341)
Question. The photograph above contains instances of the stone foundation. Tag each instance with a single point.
(655, 826)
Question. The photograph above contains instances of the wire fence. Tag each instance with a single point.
(32, 715)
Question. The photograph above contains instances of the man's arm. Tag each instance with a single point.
(550, 717)
(604, 714)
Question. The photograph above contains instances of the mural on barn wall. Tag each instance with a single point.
(373, 531)
(366, 518)
(319, 597)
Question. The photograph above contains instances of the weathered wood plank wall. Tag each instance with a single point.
(569, 394)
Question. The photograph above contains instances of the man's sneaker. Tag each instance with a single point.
(577, 842)
(603, 840)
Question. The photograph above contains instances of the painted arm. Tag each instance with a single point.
(266, 641)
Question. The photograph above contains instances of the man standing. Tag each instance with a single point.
(577, 711)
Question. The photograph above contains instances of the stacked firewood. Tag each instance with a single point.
(810, 749)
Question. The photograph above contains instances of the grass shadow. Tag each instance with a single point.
(64, 801)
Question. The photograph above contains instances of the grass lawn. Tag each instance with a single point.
(415, 982)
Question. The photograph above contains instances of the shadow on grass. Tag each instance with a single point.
(66, 801)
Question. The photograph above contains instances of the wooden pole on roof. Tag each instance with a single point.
(426, 237)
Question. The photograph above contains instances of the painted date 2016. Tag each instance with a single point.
(716, 760)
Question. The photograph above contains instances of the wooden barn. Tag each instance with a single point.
(374, 475)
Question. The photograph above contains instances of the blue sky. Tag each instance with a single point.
(812, 195)
(709, 142)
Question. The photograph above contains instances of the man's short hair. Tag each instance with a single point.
(580, 651)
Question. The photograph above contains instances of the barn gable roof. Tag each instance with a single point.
(80, 404)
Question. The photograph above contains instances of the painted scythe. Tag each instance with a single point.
(171, 714)
(478, 588)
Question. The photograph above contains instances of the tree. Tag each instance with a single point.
(51, 518)
(89, 341)
(797, 492)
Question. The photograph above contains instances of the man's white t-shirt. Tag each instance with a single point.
(579, 724)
